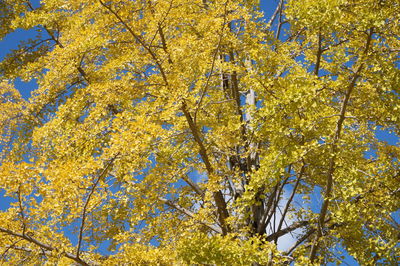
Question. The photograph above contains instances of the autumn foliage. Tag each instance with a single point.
(201, 132)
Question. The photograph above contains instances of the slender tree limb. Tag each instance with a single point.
(214, 59)
(162, 36)
(193, 185)
(300, 240)
(57, 41)
(45, 252)
(85, 207)
(218, 197)
(139, 40)
(319, 54)
(276, 12)
(263, 224)
(188, 213)
(12, 246)
(290, 200)
(271, 205)
(278, 32)
(42, 245)
(21, 210)
(287, 230)
(204, 89)
(339, 126)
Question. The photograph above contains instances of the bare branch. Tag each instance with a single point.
(193, 185)
(3, 255)
(215, 56)
(287, 230)
(319, 54)
(290, 200)
(278, 32)
(21, 209)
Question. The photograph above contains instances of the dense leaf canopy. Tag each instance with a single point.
(188, 131)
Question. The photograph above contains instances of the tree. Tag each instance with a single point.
(188, 131)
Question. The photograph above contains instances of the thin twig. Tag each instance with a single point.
(277, 10)
(84, 211)
(290, 199)
(214, 59)
(338, 131)
(139, 40)
(42, 245)
(188, 213)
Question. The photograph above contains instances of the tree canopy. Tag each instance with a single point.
(201, 132)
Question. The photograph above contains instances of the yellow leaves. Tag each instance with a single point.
(30, 19)
(11, 112)
(332, 14)
(18, 178)
(142, 255)
(226, 250)
(136, 133)
(104, 145)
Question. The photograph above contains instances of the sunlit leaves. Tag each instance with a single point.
(191, 132)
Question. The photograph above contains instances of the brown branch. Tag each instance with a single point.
(44, 252)
(263, 224)
(204, 89)
(21, 209)
(139, 40)
(236, 96)
(162, 36)
(42, 245)
(79, 68)
(287, 230)
(275, 207)
(339, 126)
(319, 54)
(300, 240)
(188, 213)
(193, 185)
(164, 43)
(12, 246)
(278, 32)
(271, 205)
(335, 45)
(84, 211)
(218, 197)
(290, 200)
(277, 10)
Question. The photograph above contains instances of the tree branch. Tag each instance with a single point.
(139, 40)
(218, 197)
(329, 185)
(193, 185)
(188, 213)
(84, 211)
(80, 69)
(42, 245)
(277, 10)
(290, 200)
(319, 54)
(204, 89)
(286, 230)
